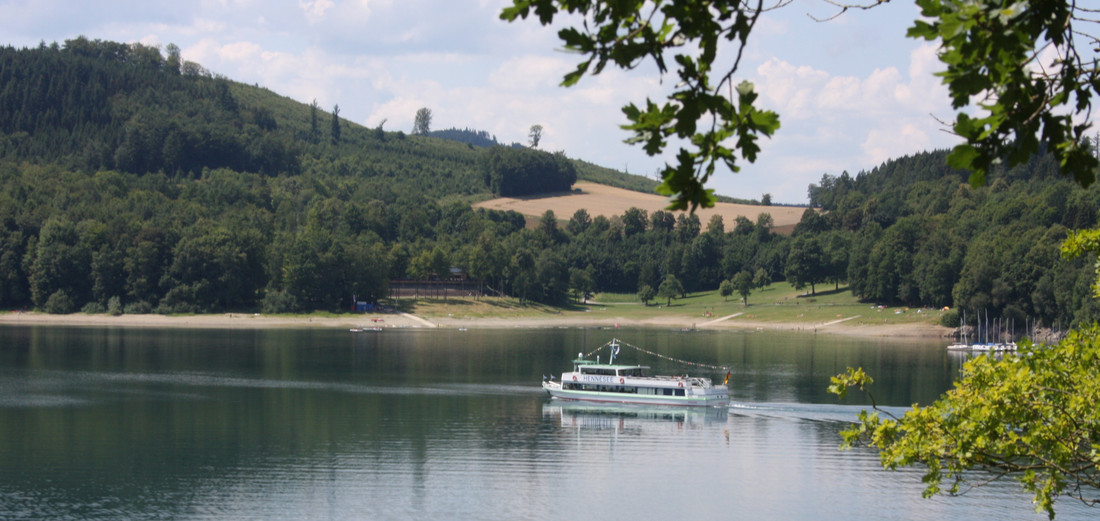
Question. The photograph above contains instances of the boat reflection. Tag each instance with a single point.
(632, 417)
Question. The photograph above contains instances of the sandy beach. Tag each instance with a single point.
(405, 320)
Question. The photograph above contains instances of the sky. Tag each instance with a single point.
(851, 92)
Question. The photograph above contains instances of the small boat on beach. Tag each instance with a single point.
(364, 329)
(617, 383)
(999, 347)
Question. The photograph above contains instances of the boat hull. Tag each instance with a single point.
(714, 397)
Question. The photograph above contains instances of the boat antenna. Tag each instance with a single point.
(615, 344)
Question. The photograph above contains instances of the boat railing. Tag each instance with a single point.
(692, 380)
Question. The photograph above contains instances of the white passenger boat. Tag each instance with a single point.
(616, 383)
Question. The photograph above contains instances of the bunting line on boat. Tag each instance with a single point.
(594, 351)
(658, 355)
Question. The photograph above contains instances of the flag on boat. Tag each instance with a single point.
(616, 351)
(727, 380)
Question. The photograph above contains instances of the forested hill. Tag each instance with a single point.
(923, 184)
(920, 235)
(134, 177)
(97, 105)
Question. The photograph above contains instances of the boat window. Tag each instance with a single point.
(679, 392)
(605, 371)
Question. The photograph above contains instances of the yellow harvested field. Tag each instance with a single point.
(608, 201)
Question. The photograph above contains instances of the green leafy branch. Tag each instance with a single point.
(692, 33)
(992, 50)
(1080, 242)
(1032, 417)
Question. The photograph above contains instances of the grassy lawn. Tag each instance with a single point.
(484, 307)
(782, 303)
(777, 303)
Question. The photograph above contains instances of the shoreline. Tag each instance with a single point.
(844, 327)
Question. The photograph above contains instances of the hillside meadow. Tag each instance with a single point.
(609, 201)
(778, 306)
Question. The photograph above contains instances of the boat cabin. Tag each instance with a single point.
(593, 376)
(593, 368)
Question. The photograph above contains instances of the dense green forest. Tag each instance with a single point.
(922, 236)
(518, 172)
(134, 182)
(477, 138)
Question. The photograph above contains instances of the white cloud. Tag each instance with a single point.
(315, 9)
(527, 72)
(206, 25)
(925, 91)
(885, 143)
(789, 88)
(841, 122)
(240, 51)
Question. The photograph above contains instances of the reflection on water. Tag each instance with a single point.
(631, 418)
(215, 425)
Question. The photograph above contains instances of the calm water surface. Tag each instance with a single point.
(104, 423)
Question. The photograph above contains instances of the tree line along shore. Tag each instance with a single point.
(834, 313)
(132, 183)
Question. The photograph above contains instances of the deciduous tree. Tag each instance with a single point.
(761, 278)
(742, 282)
(670, 287)
(422, 123)
(60, 264)
(535, 135)
(725, 289)
(582, 282)
(1031, 416)
(806, 263)
(579, 222)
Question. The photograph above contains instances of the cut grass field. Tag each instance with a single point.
(778, 305)
(597, 199)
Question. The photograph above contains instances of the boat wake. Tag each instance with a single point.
(806, 411)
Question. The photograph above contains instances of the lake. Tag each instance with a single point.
(109, 423)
